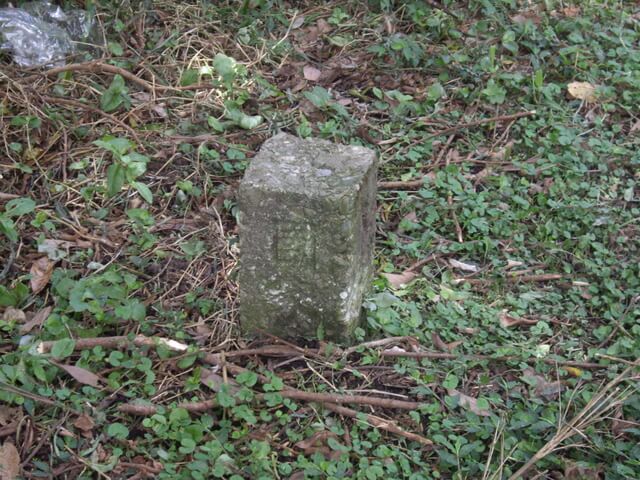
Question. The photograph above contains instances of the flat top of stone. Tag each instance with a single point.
(312, 167)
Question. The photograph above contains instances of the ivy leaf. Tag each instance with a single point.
(225, 399)
(118, 430)
(494, 92)
(63, 348)
(247, 378)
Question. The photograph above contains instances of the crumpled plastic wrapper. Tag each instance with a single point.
(40, 33)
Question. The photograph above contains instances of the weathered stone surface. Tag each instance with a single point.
(307, 226)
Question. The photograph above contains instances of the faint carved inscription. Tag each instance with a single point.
(295, 247)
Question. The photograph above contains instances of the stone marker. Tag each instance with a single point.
(307, 227)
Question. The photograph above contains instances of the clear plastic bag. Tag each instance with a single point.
(41, 33)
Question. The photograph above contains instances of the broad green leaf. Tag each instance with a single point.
(319, 96)
(242, 119)
(435, 92)
(115, 95)
(216, 124)
(19, 206)
(131, 310)
(116, 145)
(8, 228)
(134, 169)
(7, 299)
(115, 179)
(116, 49)
(12, 297)
(225, 66)
(189, 77)
(144, 191)
(250, 121)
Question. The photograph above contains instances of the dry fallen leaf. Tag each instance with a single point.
(316, 440)
(323, 26)
(468, 330)
(214, 381)
(41, 271)
(543, 388)
(14, 315)
(513, 264)
(524, 17)
(317, 443)
(389, 23)
(467, 267)
(572, 11)
(573, 371)
(397, 280)
(37, 320)
(9, 462)
(441, 345)
(573, 471)
(619, 425)
(507, 321)
(9, 415)
(80, 374)
(469, 403)
(582, 91)
(311, 73)
(85, 423)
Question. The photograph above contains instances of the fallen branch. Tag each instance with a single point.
(387, 425)
(383, 342)
(336, 398)
(400, 185)
(293, 394)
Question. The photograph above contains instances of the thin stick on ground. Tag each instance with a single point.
(483, 121)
